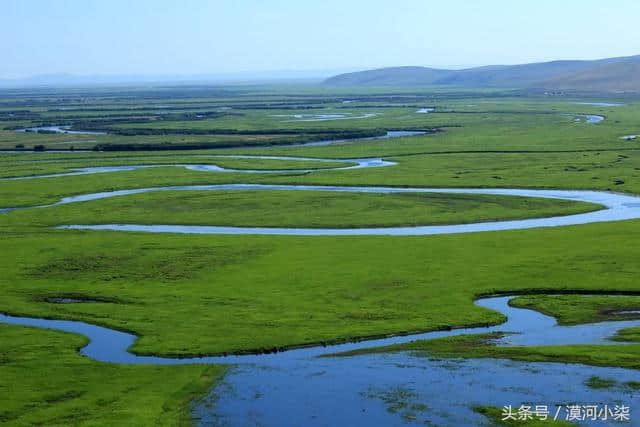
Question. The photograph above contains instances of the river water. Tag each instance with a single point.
(296, 387)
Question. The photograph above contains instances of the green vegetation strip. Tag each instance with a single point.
(482, 346)
(599, 383)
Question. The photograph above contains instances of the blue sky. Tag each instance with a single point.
(161, 37)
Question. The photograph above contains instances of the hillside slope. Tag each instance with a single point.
(610, 74)
(619, 76)
(395, 76)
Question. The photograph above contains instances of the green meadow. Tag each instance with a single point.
(312, 209)
(187, 295)
(68, 389)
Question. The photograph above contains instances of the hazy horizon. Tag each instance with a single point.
(201, 38)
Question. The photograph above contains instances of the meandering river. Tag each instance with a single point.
(350, 164)
(296, 387)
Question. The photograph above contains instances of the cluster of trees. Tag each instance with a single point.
(105, 122)
(6, 116)
(296, 138)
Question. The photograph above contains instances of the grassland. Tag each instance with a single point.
(46, 382)
(12, 167)
(310, 209)
(187, 295)
(606, 170)
(229, 293)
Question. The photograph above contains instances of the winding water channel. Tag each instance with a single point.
(350, 164)
(616, 207)
(296, 387)
(261, 388)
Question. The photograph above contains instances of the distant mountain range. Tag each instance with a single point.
(603, 75)
(242, 77)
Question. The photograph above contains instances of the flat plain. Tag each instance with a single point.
(187, 295)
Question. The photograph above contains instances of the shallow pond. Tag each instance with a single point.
(60, 129)
(590, 118)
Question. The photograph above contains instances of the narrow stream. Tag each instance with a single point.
(617, 207)
(359, 164)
